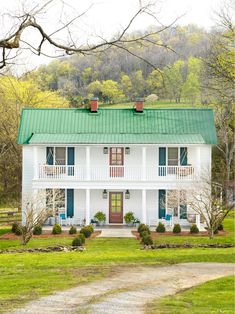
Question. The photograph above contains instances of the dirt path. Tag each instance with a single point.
(128, 291)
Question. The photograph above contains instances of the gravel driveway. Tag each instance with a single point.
(129, 291)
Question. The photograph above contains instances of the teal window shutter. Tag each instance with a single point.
(70, 160)
(70, 203)
(70, 156)
(183, 156)
(162, 161)
(50, 155)
(162, 203)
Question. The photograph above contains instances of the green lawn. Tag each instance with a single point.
(226, 238)
(25, 276)
(158, 104)
(216, 296)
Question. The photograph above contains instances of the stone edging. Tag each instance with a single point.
(186, 245)
(49, 249)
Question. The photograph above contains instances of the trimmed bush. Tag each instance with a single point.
(14, 227)
(18, 230)
(160, 228)
(91, 228)
(100, 216)
(129, 218)
(147, 240)
(56, 229)
(144, 233)
(216, 231)
(79, 241)
(37, 230)
(177, 228)
(143, 227)
(221, 227)
(73, 230)
(87, 231)
(194, 229)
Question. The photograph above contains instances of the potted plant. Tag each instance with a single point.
(129, 218)
(100, 217)
(136, 222)
(94, 222)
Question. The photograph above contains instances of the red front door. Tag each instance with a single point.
(115, 207)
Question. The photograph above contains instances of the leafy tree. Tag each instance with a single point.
(138, 84)
(14, 95)
(191, 89)
(174, 79)
(111, 91)
(126, 85)
(155, 83)
(95, 88)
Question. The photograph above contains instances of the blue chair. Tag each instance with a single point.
(169, 219)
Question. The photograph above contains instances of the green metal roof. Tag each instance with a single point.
(192, 126)
(116, 138)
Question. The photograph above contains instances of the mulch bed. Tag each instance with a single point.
(45, 234)
(154, 234)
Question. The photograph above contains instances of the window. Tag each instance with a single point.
(55, 200)
(116, 156)
(172, 156)
(172, 202)
(56, 155)
(60, 155)
(177, 203)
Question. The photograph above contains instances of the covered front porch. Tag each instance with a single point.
(149, 206)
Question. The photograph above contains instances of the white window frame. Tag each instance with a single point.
(65, 200)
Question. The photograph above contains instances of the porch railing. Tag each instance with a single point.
(114, 173)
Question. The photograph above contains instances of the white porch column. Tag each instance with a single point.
(143, 163)
(144, 214)
(35, 162)
(88, 163)
(88, 218)
(199, 165)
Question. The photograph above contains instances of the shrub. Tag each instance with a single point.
(100, 216)
(194, 229)
(78, 241)
(147, 240)
(144, 233)
(91, 228)
(87, 231)
(56, 229)
(160, 228)
(216, 231)
(14, 227)
(18, 230)
(129, 217)
(177, 228)
(72, 230)
(143, 227)
(220, 227)
(37, 230)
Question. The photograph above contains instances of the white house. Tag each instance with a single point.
(116, 160)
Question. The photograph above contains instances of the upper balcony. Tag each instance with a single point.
(115, 173)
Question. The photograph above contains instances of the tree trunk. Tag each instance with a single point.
(211, 233)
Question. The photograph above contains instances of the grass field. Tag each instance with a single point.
(25, 276)
(158, 104)
(216, 296)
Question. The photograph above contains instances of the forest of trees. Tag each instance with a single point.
(117, 76)
(197, 69)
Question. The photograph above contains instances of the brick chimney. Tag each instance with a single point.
(94, 105)
(139, 105)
